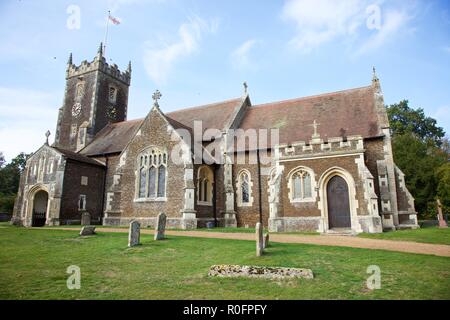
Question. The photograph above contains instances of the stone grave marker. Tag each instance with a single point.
(87, 231)
(259, 240)
(134, 234)
(160, 227)
(85, 218)
(266, 240)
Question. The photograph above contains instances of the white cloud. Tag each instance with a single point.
(321, 21)
(241, 56)
(393, 21)
(25, 115)
(159, 59)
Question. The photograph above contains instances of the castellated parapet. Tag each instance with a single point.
(99, 64)
(318, 147)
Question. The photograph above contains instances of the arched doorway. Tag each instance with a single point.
(338, 203)
(39, 209)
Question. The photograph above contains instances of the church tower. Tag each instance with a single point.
(96, 95)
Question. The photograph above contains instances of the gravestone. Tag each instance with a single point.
(134, 234)
(85, 218)
(266, 240)
(160, 227)
(442, 222)
(87, 231)
(259, 240)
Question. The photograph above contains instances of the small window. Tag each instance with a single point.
(50, 166)
(84, 181)
(244, 189)
(82, 202)
(80, 91)
(301, 186)
(204, 185)
(112, 95)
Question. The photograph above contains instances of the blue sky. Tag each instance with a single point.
(198, 52)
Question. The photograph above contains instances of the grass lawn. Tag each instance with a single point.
(427, 235)
(33, 265)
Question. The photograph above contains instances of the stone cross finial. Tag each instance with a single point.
(374, 77)
(245, 87)
(156, 96)
(47, 134)
(315, 125)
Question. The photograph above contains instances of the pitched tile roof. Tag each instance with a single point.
(78, 157)
(214, 116)
(342, 113)
(113, 138)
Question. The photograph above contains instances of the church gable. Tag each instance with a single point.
(147, 176)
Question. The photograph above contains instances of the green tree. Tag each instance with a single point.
(404, 119)
(419, 163)
(420, 148)
(2, 159)
(10, 174)
(443, 186)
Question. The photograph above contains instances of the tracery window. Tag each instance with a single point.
(244, 189)
(301, 185)
(205, 185)
(152, 175)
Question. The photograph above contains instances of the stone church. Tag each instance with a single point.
(328, 167)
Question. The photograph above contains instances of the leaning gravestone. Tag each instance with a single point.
(85, 218)
(134, 234)
(259, 240)
(87, 231)
(266, 240)
(160, 228)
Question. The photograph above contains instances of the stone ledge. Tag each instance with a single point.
(277, 273)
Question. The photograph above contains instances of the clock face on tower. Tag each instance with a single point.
(76, 109)
(111, 112)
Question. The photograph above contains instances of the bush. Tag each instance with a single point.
(7, 203)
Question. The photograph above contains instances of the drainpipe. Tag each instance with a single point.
(259, 188)
(104, 186)
(214, 197)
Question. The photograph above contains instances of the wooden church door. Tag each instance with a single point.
(338, 203)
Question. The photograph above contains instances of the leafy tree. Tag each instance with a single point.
(443, 187)
(419, 163)
(10, 174)
(404, 119)
(2, 159)
(419, 150)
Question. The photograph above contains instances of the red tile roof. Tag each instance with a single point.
(113, 138)
(214, 116)
(342, 113)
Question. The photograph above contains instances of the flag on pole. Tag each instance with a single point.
(114, 20)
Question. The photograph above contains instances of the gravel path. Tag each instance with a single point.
(325, 240)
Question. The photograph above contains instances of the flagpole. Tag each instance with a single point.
(106, 35)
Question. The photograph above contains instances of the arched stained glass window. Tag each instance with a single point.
(152, 175)
(301, 185)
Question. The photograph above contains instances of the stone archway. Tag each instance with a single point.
(323, 184)
(39, 211)
(338, 203)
